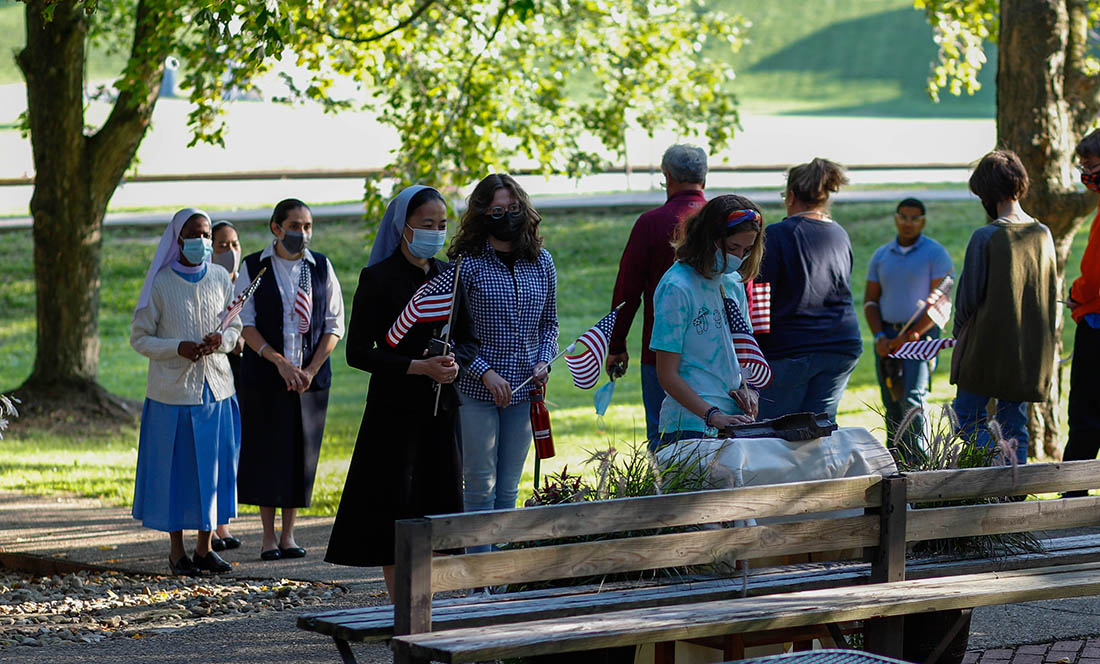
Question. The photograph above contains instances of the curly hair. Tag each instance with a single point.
(475, 224)
(698, 237)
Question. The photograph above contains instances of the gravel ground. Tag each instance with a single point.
(90, 607)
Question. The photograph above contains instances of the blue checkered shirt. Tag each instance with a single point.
(515, 316)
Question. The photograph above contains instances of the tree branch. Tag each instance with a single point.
(378, 35)
(1082, 91)
(112, 148)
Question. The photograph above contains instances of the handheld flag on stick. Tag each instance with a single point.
(431, 302)
(939, 302)
(760, 306)
(587, 366)
(234, 308)
(757, 371)
(447, 334)
(937, 305)
(924, 350)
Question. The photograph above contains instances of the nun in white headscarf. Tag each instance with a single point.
(190, 424)
(407, 459)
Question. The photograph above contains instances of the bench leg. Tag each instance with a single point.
(838, 636)
(964, 615)
(344, 649)
(883, 636)
(733, 647)
(664, 652)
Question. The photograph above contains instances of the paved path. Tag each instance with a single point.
(48, 530)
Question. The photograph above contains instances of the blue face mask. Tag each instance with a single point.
(602, 398)
(426, 243)
(733, 262)
(197, 250)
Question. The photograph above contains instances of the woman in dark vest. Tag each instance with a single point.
(291, 325)
(407, 461)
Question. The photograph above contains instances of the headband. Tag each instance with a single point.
(741, 216)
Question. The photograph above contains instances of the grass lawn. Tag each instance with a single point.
(586, 249)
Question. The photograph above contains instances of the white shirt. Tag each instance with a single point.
(287, 273)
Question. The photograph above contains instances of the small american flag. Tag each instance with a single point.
(585, 367)
(924, 350)
(303, 300)
(234, 307)
(430, 302)
(758, 373)
(760, 306)
(939, 302)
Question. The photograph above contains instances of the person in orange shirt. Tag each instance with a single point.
(1084, 303)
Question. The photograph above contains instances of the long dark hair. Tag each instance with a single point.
(698, 237)
(475, 225)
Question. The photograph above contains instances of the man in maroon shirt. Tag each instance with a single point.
(646, 258)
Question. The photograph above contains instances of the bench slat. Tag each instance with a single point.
(967, 483)
(999, 518)
(376, 622)
(652, 552)
(668, 623)
(452, 531)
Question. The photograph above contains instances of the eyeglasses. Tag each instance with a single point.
(902, 219)
(498, 212)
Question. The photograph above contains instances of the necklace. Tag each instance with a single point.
(813, 214)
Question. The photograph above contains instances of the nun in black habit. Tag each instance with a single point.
(407, 461)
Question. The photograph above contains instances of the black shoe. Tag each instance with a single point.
(217, 544)
(230, 542)
(212, 563)
(271, 554)
(183, 567)
(292, 552)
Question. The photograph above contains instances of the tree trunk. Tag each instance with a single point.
(75, 176)
(1044, 105)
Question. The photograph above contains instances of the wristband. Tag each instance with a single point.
(879, 335)
(261, 351)
(710, 414)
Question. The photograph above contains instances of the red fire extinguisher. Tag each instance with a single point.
(540, 425)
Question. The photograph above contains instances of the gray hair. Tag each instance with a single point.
(685, 163)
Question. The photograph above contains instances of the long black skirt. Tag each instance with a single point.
(281, 435)
(406, 464)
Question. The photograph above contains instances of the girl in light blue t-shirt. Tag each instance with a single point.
(717, 250)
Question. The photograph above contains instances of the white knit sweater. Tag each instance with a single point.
(180, 310)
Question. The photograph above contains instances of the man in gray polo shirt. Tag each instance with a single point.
(901, 274)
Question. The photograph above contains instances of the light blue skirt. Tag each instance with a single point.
(187, 464)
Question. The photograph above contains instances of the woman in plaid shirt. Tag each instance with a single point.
(511, 289)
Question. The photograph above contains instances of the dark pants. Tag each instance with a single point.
(1084, 396)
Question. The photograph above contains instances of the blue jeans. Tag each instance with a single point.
(652, 397)
(495, 442)
(810, 383)
(915, 375)
(1011, 416)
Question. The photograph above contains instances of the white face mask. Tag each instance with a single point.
(426, 243)
(733, 261)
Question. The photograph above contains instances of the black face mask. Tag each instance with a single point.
(508, 227)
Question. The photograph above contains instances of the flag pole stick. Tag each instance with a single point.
(568, 349)
(447, 334)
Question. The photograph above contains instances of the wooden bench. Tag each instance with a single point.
(587, 617)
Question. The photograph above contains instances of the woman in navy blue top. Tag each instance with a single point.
(814, 342)
(510, 287)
